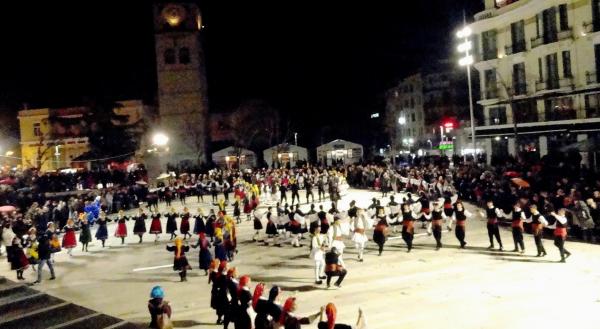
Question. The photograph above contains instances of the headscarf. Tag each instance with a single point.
(273, 293)
(331, 313)
(258, 291)
(244, 282)
(179, 247)
(214, 264)
(222, 266)
(219, 233)
(287, 307)
(157, 292)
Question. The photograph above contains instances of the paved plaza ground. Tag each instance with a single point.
(450, 288)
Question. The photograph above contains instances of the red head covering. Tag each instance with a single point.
(258, 291)
(222, 266)
(331, 313)
(202, 235)
(287, 307)
(244, 281)
(214, 264)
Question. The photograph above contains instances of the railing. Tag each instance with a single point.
(590, 78)
(591, 26)
(515, 48)
(490, 55)
(537, 41)
(519, 89)
(554, 84)
(565, 34)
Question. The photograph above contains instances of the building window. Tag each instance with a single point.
(491, 87)
(490, 47)
(566, 57)
(184, 55)
(519, 82)
(549, 19)
(592, 105)
(560, 109)
(540, 70)
(596, 14)
(552, 71)
(564, 17)
(169, 56)
(497, 115)
(517, 37)
(525, 111)
(412, 116)
(37, 130)
(412, 102)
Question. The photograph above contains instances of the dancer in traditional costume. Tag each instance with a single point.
(172, 223)
(199, 226)
(492, 214)
(331, 314)
(460, 215)
(244, 298)
(318, 247)
(360, 223)
(560, 233)
(537, 229)
(184, 226)
(271, 230)
(180, 262)
(85, 236)
(518, 216)
(121, 231)
(380, 233)
(69, 240)
(102, 231)
(155, 225)
(139, 227)
(17, 258)
(289, 320)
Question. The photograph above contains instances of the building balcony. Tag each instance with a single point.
(565, 34)
(549, 85)
(518, 89)
(591, 78)
(489, 55)
(491, 93)
(537, 41)
(515, 48)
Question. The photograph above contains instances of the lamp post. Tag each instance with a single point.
(467, 60)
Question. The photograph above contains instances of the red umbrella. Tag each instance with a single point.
(7, 209)
(511, 174)
(520, 182)
(8, 181)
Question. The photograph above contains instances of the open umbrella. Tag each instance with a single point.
(8, 181)
(163, 176)
(511, 174)
(7, 209)
(141, 182)
(520, 182)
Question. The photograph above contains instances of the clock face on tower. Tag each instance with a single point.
(173, 14)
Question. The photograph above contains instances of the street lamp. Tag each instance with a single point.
(160, 139)
(467, 60)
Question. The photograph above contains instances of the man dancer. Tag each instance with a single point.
(492, 214)
(308, 184)
(318, 246)
(436, 224)
(537, 228)
(517, 227)
(334, 267)
(335, 236)
(394, 213)
(560, 234)
(359, 237)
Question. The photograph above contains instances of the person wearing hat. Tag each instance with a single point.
(267, 310)
(334, 267)
(180, 262)
(160, 310)
(331, 313)
(172, 223)
(288, 320)
(360, 224)
(245, 300)
(215, 272)
(139, 227)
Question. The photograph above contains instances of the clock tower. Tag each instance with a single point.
(182, 103)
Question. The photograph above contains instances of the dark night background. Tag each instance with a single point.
(325, 67)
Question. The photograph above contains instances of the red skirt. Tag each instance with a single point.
(121, 231)
(69, 240)
(247, 208)
(156, 226)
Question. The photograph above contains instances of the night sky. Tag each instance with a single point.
(325, 67)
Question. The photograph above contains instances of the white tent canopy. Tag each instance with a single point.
(340, 150)
(234, 157)
(283, 154)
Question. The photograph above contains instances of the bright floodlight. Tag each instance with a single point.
(468, 60)
(160, 139)
(465, 46)
(402, 120)
(464, 33)
(411, 140)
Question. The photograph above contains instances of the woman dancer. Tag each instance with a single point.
(381, 230)
(199, 226)
(85, 236)
(155, 225)
(69, 240)
(139, 228)
(121, 231)
(331, 313)
(180, 262)
(244, 297)
(16, 257)
(460, 216)
(172, 223)
(102, 231)
(184, 226)
(289, 320)
(204, 256)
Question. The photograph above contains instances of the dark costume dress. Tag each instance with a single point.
(157, 307)
(242, 318)
(140, 224)
(102, 231)
(69, 239)
(180, 263)
(171, 223)
(204, 257)
(199, 224)
(271, 227)
(380, 232)
(257, 224)
(156, 225)
(85, 236)
(220, 251)
(184, 227)
(16, 256)
(210, 226)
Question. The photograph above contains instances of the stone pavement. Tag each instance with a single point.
(450, 288)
